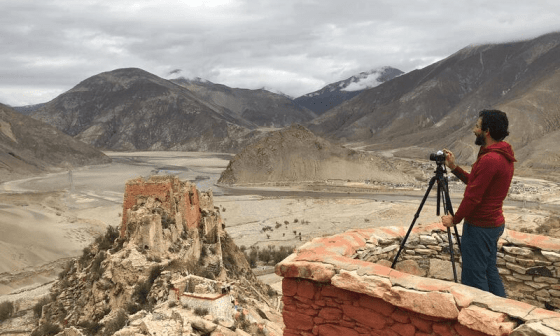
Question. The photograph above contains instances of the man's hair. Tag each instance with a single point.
(496, 122)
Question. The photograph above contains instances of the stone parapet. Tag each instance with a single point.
(328, 289)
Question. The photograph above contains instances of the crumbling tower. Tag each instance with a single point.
(160, 210)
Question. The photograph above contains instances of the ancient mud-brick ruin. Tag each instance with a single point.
(329, 289)
(181, 207)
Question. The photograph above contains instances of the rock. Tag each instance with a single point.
(551, 256)
(223, 331)
(72, 331)
(485, 321)
(202, 325)
(428, 240)
(518, 251)
(443, 269)
(410, 267)
(161, 327)
(226, 323)
(241, 332)
(516, 268)
(437, 304)
(389, 248)
(137, 317)
(127, 331)
(533, 329)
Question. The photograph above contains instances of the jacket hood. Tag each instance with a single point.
(501, 147)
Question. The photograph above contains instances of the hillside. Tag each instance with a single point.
(436, 107)
(294, 154)
(29, 147)
(261, 107)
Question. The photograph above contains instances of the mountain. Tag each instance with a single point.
(437, 106)
(295, 154)
(28, 146)
(261, 107)
(131, 109)
(334, 94)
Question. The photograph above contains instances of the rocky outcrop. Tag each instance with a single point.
(166, 272)
(295, 155)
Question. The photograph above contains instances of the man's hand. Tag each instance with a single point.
(449, 159)
(447, 221)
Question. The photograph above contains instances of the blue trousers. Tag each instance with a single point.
(478, 249)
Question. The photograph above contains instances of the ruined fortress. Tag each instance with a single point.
(178, 210)
(170, 269)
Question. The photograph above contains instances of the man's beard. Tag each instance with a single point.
(480, 140)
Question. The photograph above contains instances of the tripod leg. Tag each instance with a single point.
(439, 191)
(452, 254)
(447, 209)
(450, 209)
(416, 215)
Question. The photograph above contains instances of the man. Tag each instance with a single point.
(481, 208)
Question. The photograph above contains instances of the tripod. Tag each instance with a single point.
(442, 192)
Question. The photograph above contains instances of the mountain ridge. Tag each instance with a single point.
(334, 94)
(261, 107)
(131, 109)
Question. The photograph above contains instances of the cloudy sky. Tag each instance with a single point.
(296, 47)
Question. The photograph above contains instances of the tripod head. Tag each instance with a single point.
(439, 158)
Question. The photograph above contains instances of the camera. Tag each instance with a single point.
(438, 157)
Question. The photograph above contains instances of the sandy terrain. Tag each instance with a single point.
(46, 218)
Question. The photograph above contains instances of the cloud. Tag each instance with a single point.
(294, 46)
(365, 82)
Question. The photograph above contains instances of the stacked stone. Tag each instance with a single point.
(417, 247)
(530, 274)
(313, 308)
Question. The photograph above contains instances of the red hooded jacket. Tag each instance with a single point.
(487, 186)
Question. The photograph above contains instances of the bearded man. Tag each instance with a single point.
(487, 186)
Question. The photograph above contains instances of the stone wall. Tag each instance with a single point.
(328, 289)
(529, 264)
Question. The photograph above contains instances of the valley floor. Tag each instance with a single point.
(47, 218)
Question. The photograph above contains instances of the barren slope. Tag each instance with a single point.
(295, 154)
(28, 147)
